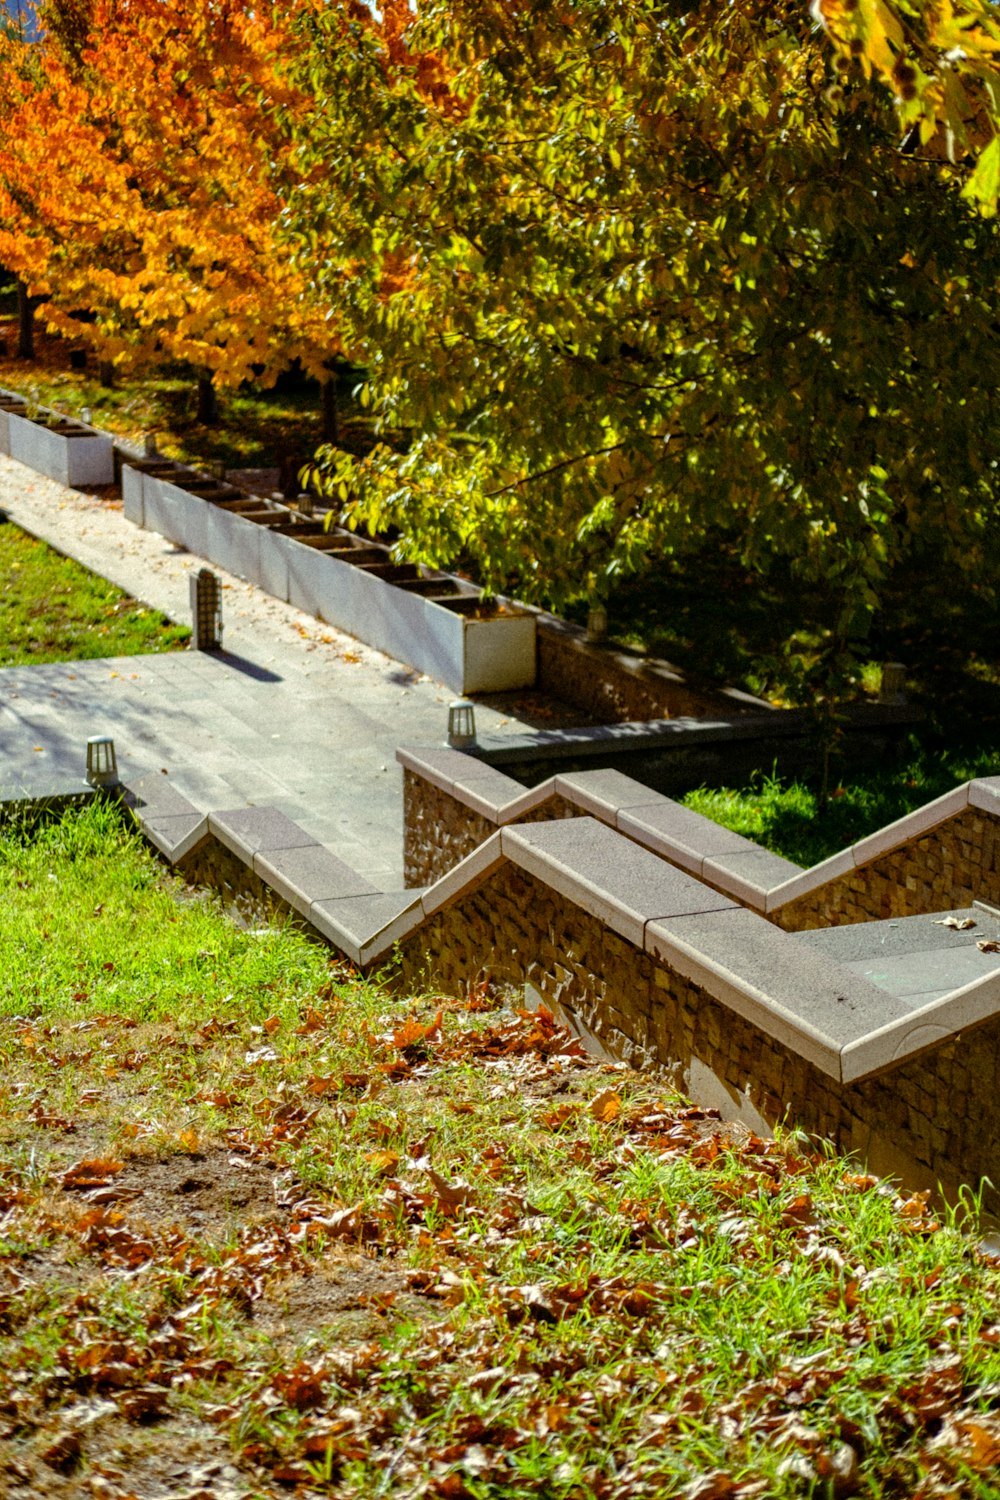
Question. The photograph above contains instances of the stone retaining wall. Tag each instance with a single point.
(211, 864)
(953, 865)
(616, 687)
(439, 830)
(931, 1119)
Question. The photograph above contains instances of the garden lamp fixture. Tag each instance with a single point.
(102, 767)
(893, 685)
(461, 724)
(206, 611)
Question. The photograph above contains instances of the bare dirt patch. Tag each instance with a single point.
(211, 1193)
(350, 1292)
(87, 1452)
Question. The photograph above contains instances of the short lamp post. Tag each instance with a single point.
(893, 685)
(206, 611)
(461, 724)
(597, 623)
(102, 767)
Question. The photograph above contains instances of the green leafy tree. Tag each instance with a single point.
(634, 275)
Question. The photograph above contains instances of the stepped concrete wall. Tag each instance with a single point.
(929, 1119)
(439, 830)
(657, 967)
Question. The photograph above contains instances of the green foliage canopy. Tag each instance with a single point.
(631, 274)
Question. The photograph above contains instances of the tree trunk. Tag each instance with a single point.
(331, 415)
(208, 405)
(25, 323)
(106, 373)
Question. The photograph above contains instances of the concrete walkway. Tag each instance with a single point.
(293, 713)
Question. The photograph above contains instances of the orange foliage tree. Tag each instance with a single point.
(145, 162)
(941, 61)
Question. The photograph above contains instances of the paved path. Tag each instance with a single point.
(293, 713)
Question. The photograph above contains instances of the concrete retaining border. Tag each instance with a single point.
(660, 968)
(452, 800)
(259, 543)
(67, 451)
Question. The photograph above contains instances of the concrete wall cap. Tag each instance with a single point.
(463, 877)
(366, 928)
(526, 802)
(802, 997)
(247, 830)
(603, 793)
(444, 767)
(810, 880)
(984, 793)
(935, 1022)
(600, 870)
(155, 794)
(912, 826)
(174, 834)
(307, 873)
(749, 874)
(485, 790)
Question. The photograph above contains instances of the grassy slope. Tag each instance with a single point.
(51, 609)
(519, 1273)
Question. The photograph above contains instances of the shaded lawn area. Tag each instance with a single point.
(713, 618)
(274, 1231)
(52, 609)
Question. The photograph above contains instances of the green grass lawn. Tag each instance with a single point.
(786, 816)
(52, 609)
(283, 1232)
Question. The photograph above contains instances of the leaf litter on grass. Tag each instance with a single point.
(334, 1241)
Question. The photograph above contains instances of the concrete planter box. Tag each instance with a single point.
(8, 408)
(66, 452)
(256, 541)
(470, 655)
(134, 479)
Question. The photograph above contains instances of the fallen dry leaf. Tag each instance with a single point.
(606, 1106)
(451, 1196)
(413, 1034)
(383, 1162)
(92, 1173)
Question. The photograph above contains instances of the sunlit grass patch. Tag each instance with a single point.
(52, 609)
(786, 816)
(259, 1213)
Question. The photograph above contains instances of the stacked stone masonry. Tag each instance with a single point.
(617, 689)
(953, 865)
(439, 830)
